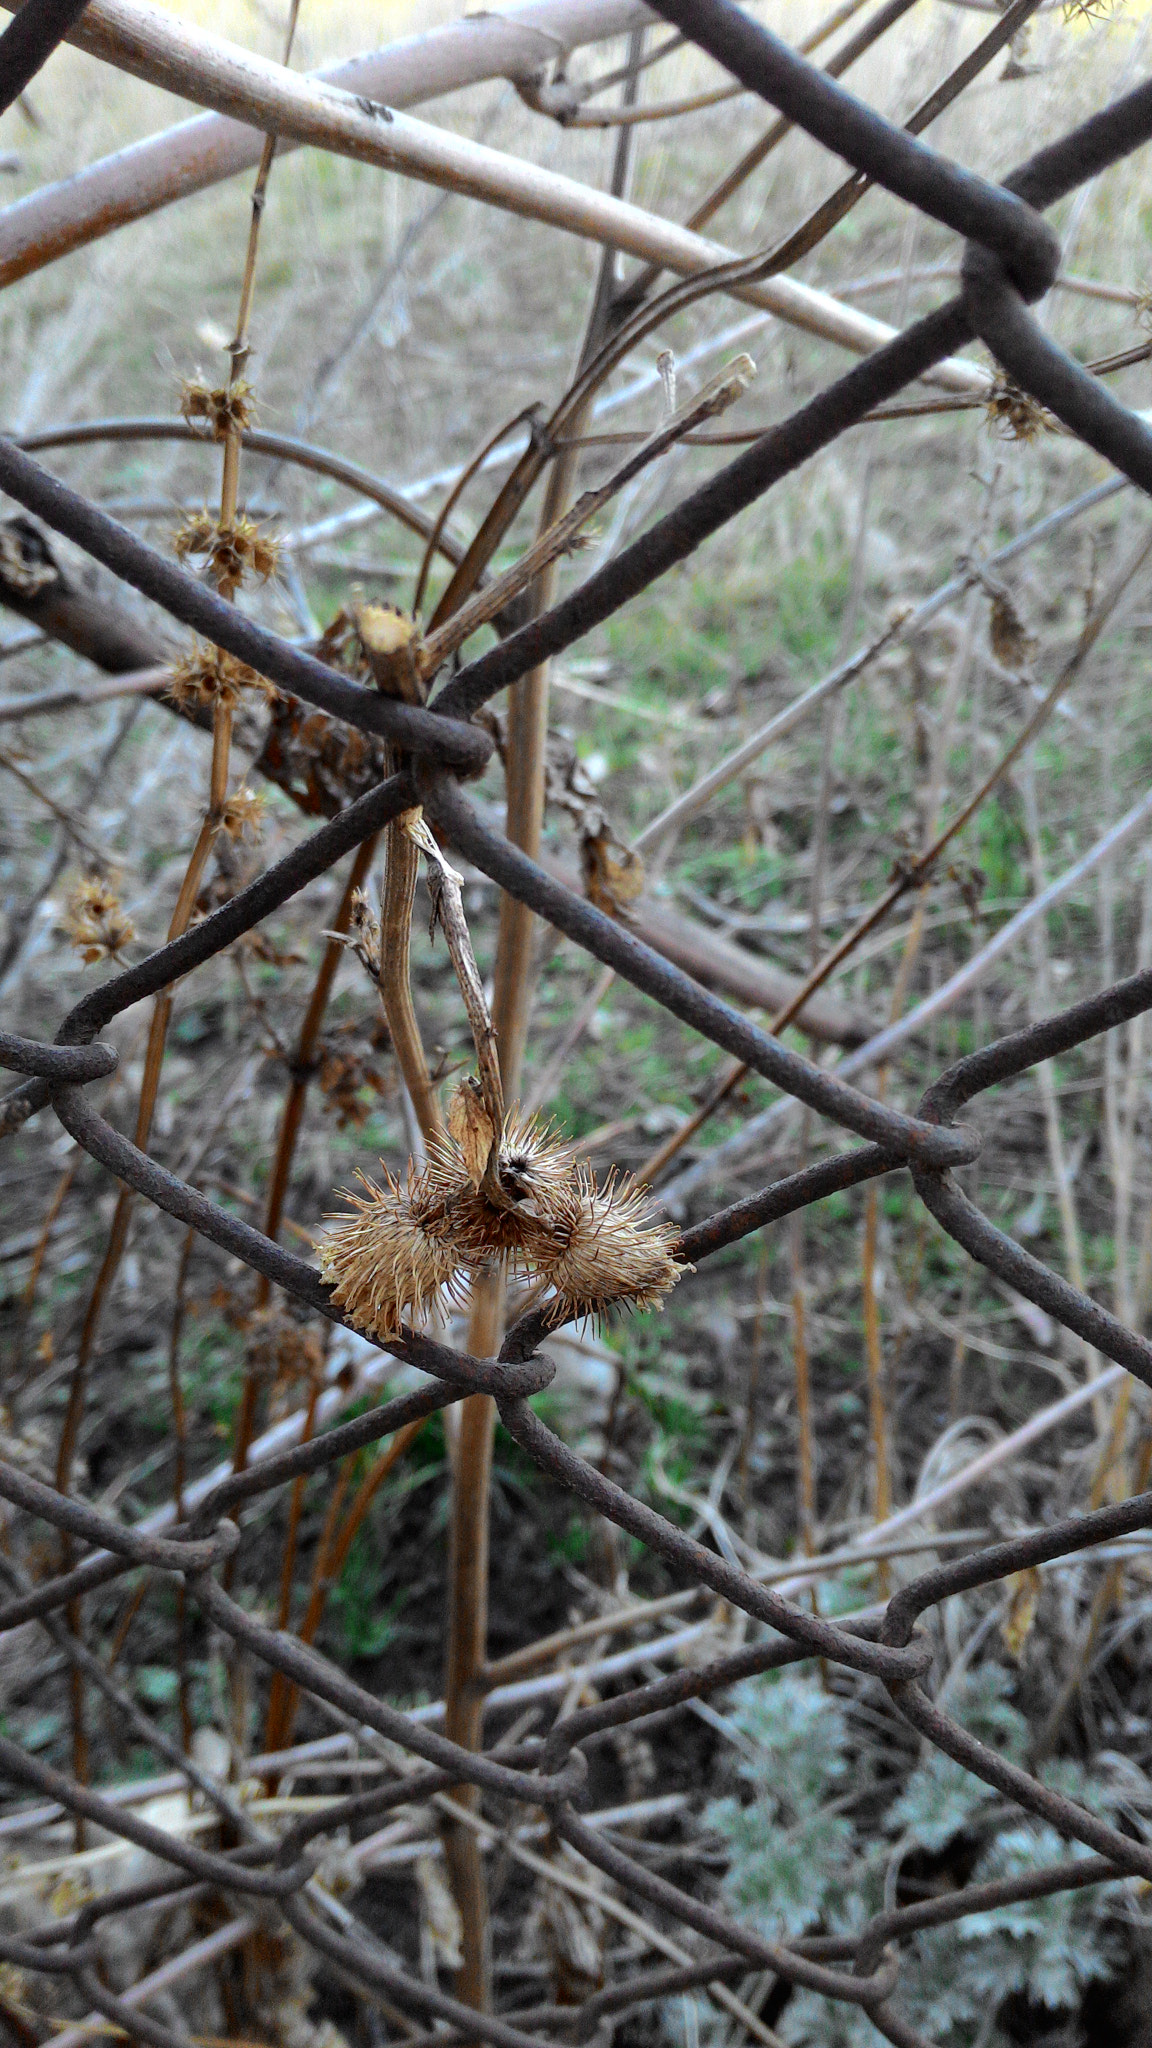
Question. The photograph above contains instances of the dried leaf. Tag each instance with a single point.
(471, 1129)
(1011, 643)
(1023, 1600)
(613, 874)
(440, 1921)
(572, 1937)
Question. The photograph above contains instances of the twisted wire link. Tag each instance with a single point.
(1010, 260)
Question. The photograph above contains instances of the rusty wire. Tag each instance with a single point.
(1010, 262)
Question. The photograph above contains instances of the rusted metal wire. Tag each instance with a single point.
(1010, 261)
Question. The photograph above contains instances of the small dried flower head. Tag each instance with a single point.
(232, 550)
(227, 409)
(1012, 414)
(96, 922)
(615, 1253)
(209, 676)
(242, 814)
(390, 1259)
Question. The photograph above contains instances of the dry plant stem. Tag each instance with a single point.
(806, 1466)
(401, 872)
(567, 1880)
(512, 996)
(306, 1044)
(774, 135)
(282, 1693)
(118, 1238)
(461, 484)
(596, 366)
(331, 1555)
(201, 152)
(445, 886)
(28, 1297)
(745, 274)
(1103, 1600)
(1046, 1082)
(558, 535)
(179, 1474)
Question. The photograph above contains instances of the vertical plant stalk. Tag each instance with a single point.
(331, 1552)
(806, 1464)
(514, 982)
(114, 1251)
(306, 1044)
(755, 1363)
(1046, 1082)
(180, 1433)
(401, 873)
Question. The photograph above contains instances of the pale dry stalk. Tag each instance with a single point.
(525, 758)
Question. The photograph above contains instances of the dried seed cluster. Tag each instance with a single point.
(232, 549)
(1013, 414)
(228, 409)
(242, 814)
(523, 1202)
(209, 676)
(96, 922)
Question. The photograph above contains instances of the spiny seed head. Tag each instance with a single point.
(390, 1258)
(232, 549)
(96, 922)
(209, 676)
(227, 409)
(614, 1253)
(242, 814)
(1012, 414)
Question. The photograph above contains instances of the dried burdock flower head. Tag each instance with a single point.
(96, 922)
(1012, 414)
(521, 1200)
(392, 1257)
(242, 814)
(232, 549)
(616, 1253)
(226, 410)
(209, 676)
